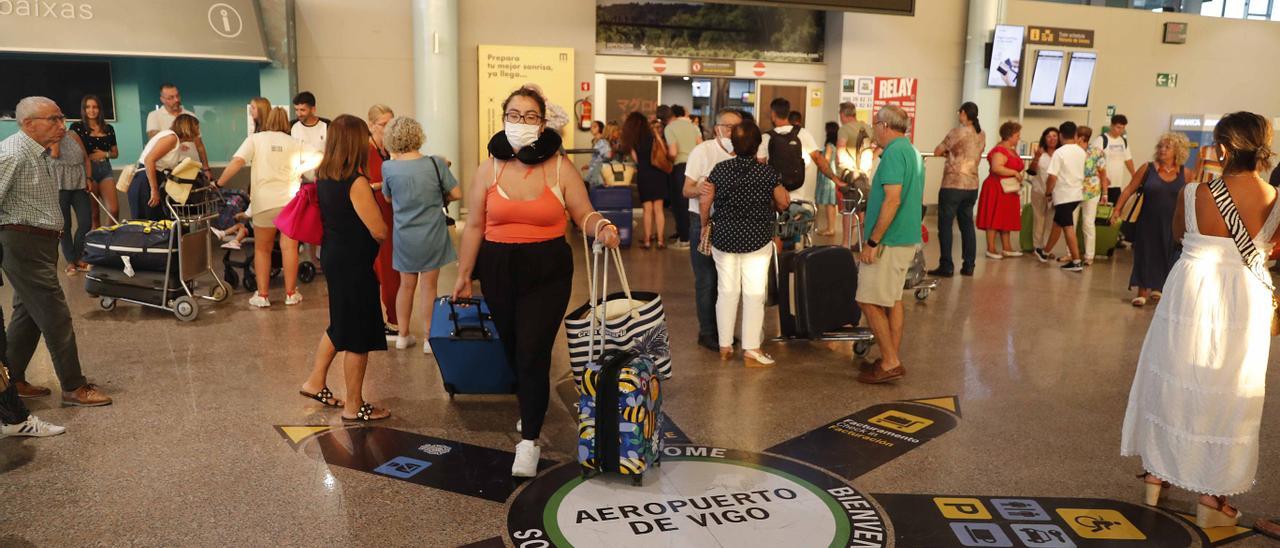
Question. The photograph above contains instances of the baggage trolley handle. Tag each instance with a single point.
(479, 332)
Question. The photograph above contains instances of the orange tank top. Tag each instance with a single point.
(523, 221)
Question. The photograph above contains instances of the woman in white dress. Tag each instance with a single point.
(1196, 402)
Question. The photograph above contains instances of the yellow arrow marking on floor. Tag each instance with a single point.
(298, 433)
(1218, 534)
(946, 402)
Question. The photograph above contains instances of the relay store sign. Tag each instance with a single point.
(699, 496)
(226, 29)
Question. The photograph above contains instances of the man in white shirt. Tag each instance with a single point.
(810, 153)
(1115, 144)
(309, 128)
(162, 118)
(1066, 187)
(705, 156)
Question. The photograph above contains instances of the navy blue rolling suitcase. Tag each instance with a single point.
(465, 342)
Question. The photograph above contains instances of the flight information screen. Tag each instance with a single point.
(1079, 79)
(1044, 82)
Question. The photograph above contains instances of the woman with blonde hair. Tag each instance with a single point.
(259, 109)
(162, 153)
(1159, 183)
(379, 116)
(418, 188)
(278, 164)
(353, 228)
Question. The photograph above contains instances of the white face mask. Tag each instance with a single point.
(521, 135)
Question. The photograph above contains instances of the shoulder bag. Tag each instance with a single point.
(444, 194)
(1253, 259)
(300, 218)
(658, 156)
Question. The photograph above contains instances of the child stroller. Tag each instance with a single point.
(236, 203)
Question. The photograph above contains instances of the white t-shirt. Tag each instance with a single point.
(160, 120)
(1117, 151)
(278, 161)
(311, 135)
(705, 156)
(1068, 166)
(171, 159)
(807, 146)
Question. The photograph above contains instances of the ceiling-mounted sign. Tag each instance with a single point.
(1053, 36)
(659, 65)
(229, 29)
(713, 67)
(758, 69)
(1175, 33)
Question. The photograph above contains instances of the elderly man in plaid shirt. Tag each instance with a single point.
(30, 224)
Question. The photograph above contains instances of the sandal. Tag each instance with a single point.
(644, 244)
(1220, 514)
(324, 396)
(71, 270)
(1151, 490)
(1139, 302)
(662, 245)
(365, 414)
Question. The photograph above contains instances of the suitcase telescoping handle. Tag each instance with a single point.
(469, 331)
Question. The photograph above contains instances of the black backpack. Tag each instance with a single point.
(787, 157)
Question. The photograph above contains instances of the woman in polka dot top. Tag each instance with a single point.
(745, 196)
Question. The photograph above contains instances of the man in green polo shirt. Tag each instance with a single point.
(894, 212)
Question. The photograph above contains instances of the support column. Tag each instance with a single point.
(435, 78)
(983, 16)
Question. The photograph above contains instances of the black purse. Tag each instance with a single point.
(444, 195)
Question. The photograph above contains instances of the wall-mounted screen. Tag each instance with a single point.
(702, 88)
(1006, 56)
(66, 82)
(1079, 79)
(1044, 82)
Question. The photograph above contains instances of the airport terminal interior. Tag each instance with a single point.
(914, 273)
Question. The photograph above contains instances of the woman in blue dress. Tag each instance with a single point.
(825, 197)
(418, 188)
(1154, 249)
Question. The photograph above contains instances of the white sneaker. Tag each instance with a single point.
(1012, 253)
(259, 301)
(426, 347)
(293, 298)
(994, 256)
(36, 428)
(406, 341)
(221, 234)
(233, 244)
(526, 462)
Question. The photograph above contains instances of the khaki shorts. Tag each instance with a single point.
(880, 283)
(266, 219)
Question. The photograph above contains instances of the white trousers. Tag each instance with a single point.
(745, 276)
(1042, 219)
(1088, 210)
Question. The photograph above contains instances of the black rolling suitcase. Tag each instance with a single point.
(826, 287)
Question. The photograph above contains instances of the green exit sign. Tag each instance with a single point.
(1166, 80)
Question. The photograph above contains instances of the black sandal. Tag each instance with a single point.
(364, 414)
(324, 397)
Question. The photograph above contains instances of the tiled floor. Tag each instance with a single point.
(1040, 360)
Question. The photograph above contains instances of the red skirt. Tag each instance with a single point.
(997, 210)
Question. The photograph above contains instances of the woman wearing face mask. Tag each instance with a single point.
(379, 117)
(514, 244)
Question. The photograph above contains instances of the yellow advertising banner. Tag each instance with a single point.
(505, 68)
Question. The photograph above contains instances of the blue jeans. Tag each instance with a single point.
(73, 241)
(704, 280)
(956, 205)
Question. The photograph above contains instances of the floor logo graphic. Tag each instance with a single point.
(699, 496)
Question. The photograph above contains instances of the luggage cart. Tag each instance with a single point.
(797, 223)
(861, 337)
(190, 257)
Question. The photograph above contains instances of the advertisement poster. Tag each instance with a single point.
(1006, 56)
(859, 90)
(901, 92)
(709, 31)
(502, 69)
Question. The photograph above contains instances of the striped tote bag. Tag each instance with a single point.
(626, 320)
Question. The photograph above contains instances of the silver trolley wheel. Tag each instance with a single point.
(185, 308)
(861, 348)
(107, 303)
(219, 293)
(923, 293)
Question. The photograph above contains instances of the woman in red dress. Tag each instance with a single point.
(1000, 212)
(379, 116)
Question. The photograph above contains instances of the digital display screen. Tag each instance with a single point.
(1079, 79)
(702, 88)
(1044, 83)
(1006, 56)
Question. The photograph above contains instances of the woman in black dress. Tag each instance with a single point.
(638, 140)
(1160, 183)
(353, 231)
